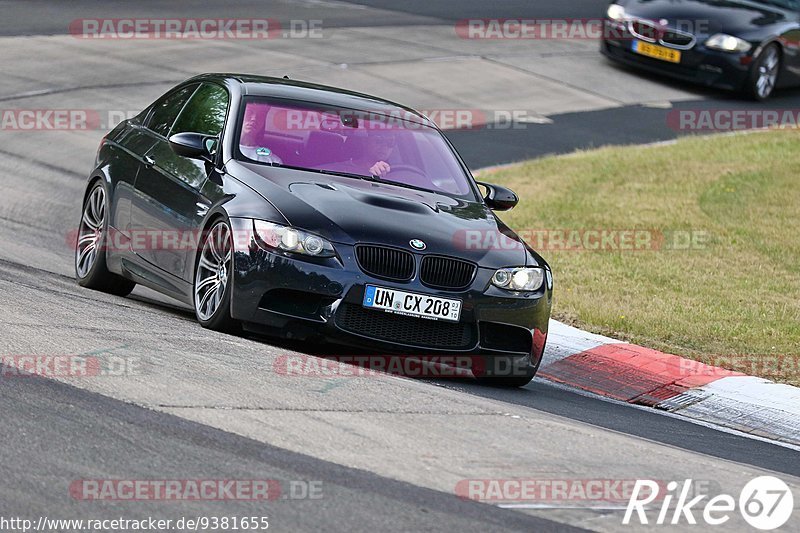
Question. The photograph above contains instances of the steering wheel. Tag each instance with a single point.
(406, 168)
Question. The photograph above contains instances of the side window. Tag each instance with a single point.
(205, 112)
(165, 111)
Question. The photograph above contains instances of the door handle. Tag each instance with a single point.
(149, 161)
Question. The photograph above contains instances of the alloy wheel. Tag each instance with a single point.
(211, 279)
(91, 231)
(767, 72)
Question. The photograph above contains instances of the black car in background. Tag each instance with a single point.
(313, 213)
(741, 45)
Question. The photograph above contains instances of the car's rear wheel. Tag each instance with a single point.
(212, 280)
(764, 73)
(91, 269)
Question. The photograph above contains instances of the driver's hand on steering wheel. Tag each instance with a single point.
(380, 169)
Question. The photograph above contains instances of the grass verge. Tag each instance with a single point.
(716, 276)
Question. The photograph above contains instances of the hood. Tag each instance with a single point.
(350, 211)
(706, 17)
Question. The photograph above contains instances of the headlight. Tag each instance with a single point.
(277, 237)
(616, 12)
(727, 43)
(519, 279)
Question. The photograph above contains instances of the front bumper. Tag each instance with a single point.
(319, 300)
(698, 65)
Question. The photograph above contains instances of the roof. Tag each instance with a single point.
(252, 85)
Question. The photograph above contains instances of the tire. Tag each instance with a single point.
(213, 275)
(91, 269)
(764, 73)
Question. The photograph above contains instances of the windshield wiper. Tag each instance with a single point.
(376, 179)
(415, 187)
(373, 179)
(345, 174)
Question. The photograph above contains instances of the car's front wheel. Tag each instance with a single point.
(91, 270)
(212, 280)
(764, 73)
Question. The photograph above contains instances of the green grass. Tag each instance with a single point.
(735, 301)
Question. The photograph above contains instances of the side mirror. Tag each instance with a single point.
(194, 145)
(499, 198)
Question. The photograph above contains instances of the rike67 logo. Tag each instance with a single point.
(765, 503)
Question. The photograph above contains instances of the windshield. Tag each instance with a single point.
(359, 144)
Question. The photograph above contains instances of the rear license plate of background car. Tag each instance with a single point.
(412, 304)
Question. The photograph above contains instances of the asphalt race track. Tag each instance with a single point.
(388, 453)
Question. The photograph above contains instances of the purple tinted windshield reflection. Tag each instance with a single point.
(392, 148)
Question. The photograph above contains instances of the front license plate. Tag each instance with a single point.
(658, 52)
(412, 304)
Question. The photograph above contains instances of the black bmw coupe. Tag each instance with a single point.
(742, 45)
(315, 213)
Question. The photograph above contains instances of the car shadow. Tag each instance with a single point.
(345, 354)
(701, 91)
